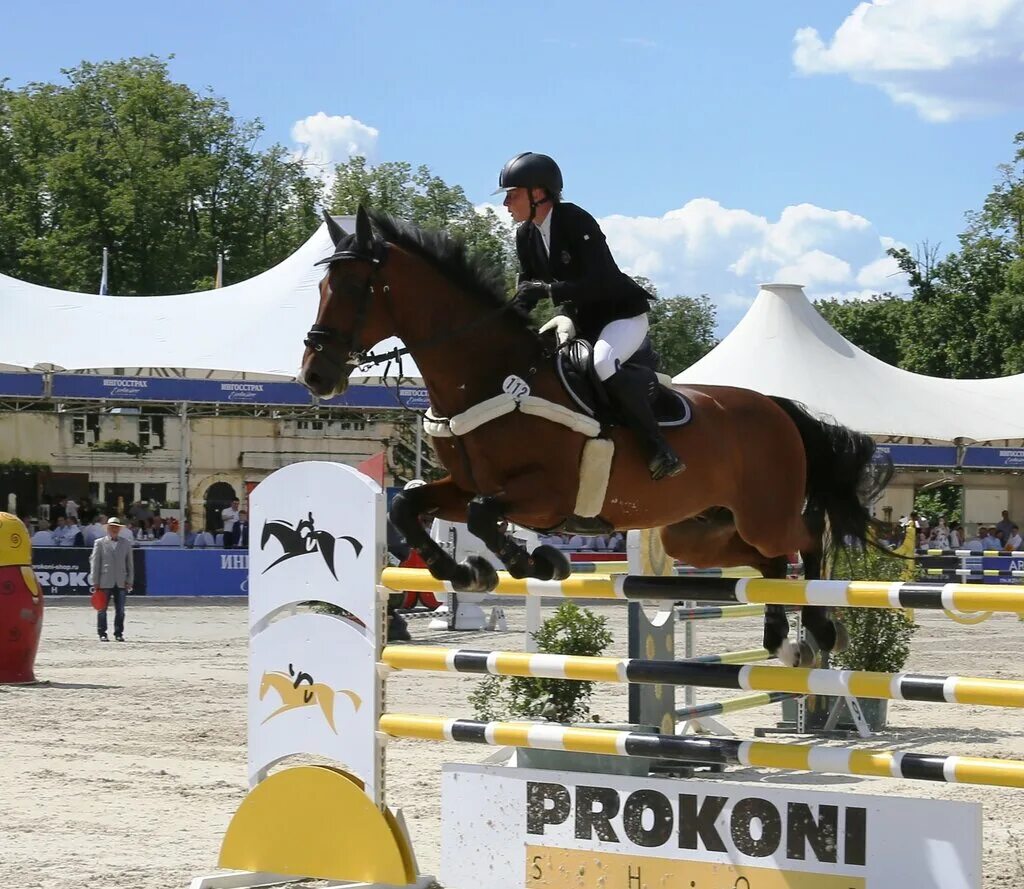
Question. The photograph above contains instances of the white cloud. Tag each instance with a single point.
(945, 58)
(329, 139)
(703, 247)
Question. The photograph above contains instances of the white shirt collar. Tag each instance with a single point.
(545, 230)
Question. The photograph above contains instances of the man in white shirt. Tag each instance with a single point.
(71, 532)
(59, 530)
(71, 510)
(229, 516)
(168, 538)
(1014, 543)
(44, 536)
(96, 530)
(203, 539)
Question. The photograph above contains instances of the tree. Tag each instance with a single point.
(682, 327)
(875, 325)
(427, 200)
(122, 157)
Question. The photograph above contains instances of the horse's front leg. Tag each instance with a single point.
(444, 500)
(483, 518)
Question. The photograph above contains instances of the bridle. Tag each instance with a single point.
(321, 336)
(345, 351)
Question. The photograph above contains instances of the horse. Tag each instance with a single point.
(763, 479)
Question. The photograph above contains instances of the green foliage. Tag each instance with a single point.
(682, 327)
(419, 196)
(936, 502)
(122, 157)
(22, 467)
(570, 630)
(876, 325)
(965, 318)
(879, 638)
(119, 446)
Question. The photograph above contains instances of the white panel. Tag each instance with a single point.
(906, 842)
(313, 689)
(985, 505)
(317, 535)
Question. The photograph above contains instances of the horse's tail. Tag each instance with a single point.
(844, 475)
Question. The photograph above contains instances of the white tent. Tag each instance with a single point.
(783, 347)
(253, 327)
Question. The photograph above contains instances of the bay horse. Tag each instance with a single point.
(763, 475)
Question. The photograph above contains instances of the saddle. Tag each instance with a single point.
(574, 362)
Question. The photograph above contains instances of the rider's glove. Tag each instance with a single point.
(529, 293)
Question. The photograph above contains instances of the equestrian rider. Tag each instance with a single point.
(563, 255)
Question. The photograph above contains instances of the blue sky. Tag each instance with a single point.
(720, 144)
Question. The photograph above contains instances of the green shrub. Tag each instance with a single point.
(570, 630)
(879, 638)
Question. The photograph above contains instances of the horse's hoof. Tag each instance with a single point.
(808, 655)
(550, 563)
(475, 575)
(842, 637)
(788, 653)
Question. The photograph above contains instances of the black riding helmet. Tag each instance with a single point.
(531, 170)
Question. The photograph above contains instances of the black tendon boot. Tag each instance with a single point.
(629, 389)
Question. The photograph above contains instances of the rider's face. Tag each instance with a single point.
(517, 202)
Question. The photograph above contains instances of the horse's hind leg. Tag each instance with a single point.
(826, 633)
(713, 541)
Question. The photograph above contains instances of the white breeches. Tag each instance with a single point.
(617, 342)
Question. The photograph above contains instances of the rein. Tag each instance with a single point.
(322, 335)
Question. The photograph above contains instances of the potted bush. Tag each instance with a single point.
(879, 638)
(570, 630)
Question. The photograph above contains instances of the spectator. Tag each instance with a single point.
(575, 542)
(96, 530)
(1004, 528)
(1014, 543)
(72, 534)
(940, 534)
(229, 515)
(203, 540)
(974, 544)
(59, 530)
(238, 538)
(126, 532)
(616, 542)
(189, 535)
(44, 536)
(956, 535)
(168, 538)
(111, 571)
(990, 541)
(157, 527)
(57, 510)
(71, 510)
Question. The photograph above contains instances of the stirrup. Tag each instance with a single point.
(665, 464)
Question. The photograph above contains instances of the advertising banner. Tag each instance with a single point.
(196, 572)
(30, 385)
(64, 570)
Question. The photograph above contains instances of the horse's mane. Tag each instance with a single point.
(476, 273)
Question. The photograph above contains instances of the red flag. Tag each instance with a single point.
(373, 467)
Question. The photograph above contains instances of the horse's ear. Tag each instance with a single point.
(364, 231)
(335, 230)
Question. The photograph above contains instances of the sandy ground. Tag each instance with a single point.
(122, 769)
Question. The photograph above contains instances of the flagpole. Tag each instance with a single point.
(219, 280)
(103, 275)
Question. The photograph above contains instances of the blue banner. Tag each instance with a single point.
(943, 456)
(994, 458)
(196, 572)
(30, 385)
(226, 392)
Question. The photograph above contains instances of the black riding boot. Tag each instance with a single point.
(630, 392)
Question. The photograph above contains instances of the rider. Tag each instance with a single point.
(563, 255)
